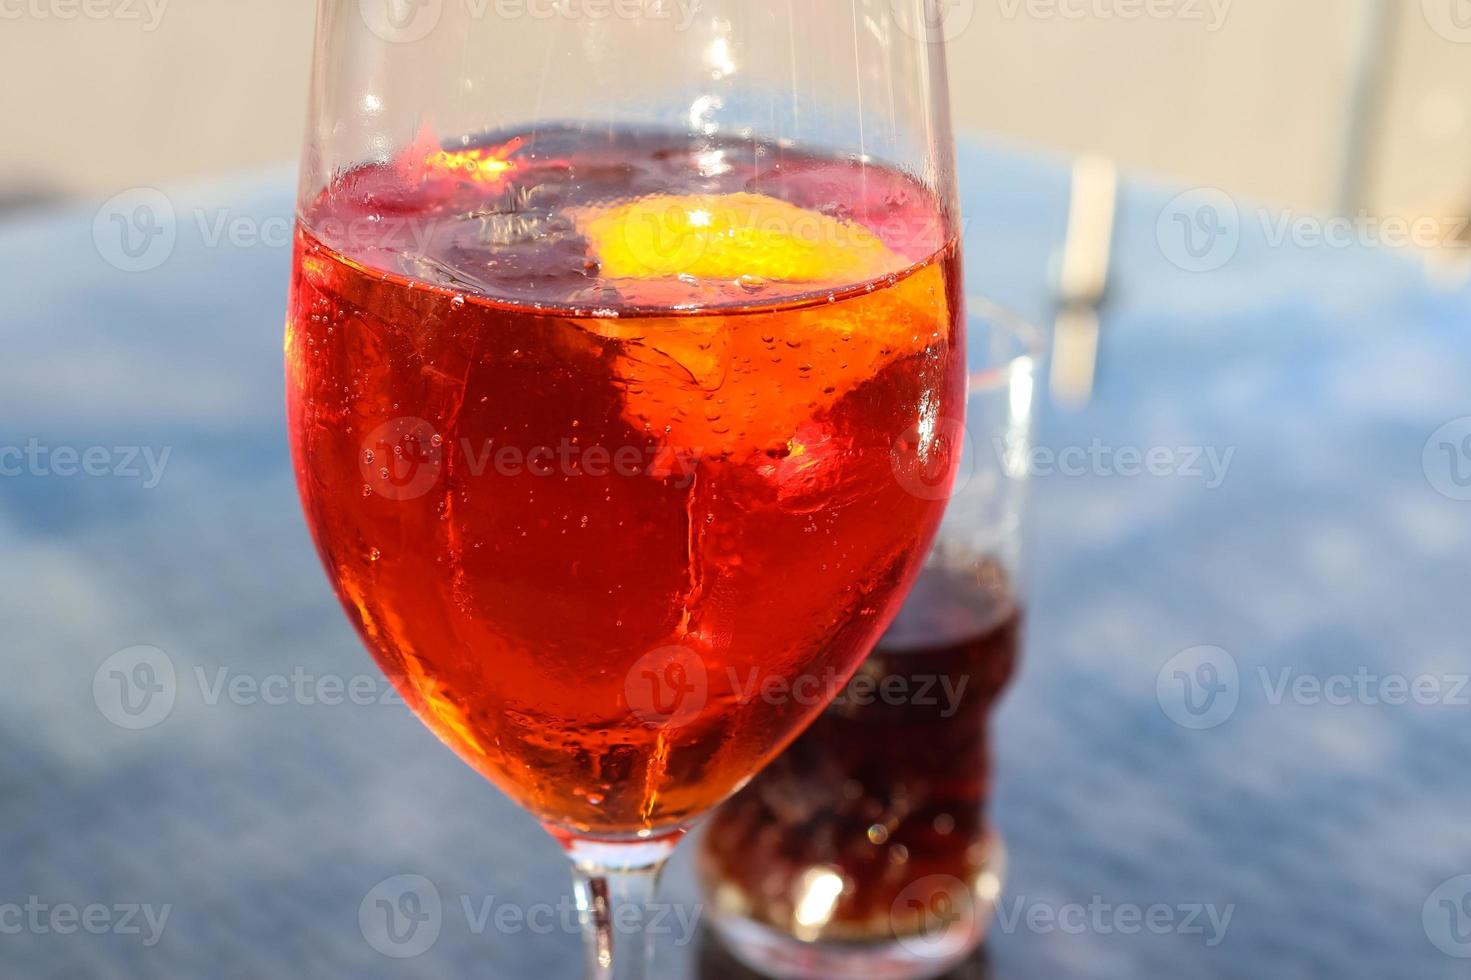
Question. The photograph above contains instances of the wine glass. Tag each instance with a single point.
(624, 372)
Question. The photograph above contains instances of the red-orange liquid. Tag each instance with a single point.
(578, 518)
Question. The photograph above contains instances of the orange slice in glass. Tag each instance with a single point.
(729, 383)
(730, 237)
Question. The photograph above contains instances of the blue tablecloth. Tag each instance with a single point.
(1332, 544)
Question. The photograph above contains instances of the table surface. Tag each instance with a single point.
(1331, 833)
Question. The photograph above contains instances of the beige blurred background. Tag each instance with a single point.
(1323, 104)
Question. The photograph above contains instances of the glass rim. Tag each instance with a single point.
(1029, 341)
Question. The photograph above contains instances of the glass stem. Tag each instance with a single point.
(614, 885)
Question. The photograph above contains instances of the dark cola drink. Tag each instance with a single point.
(865, 847)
